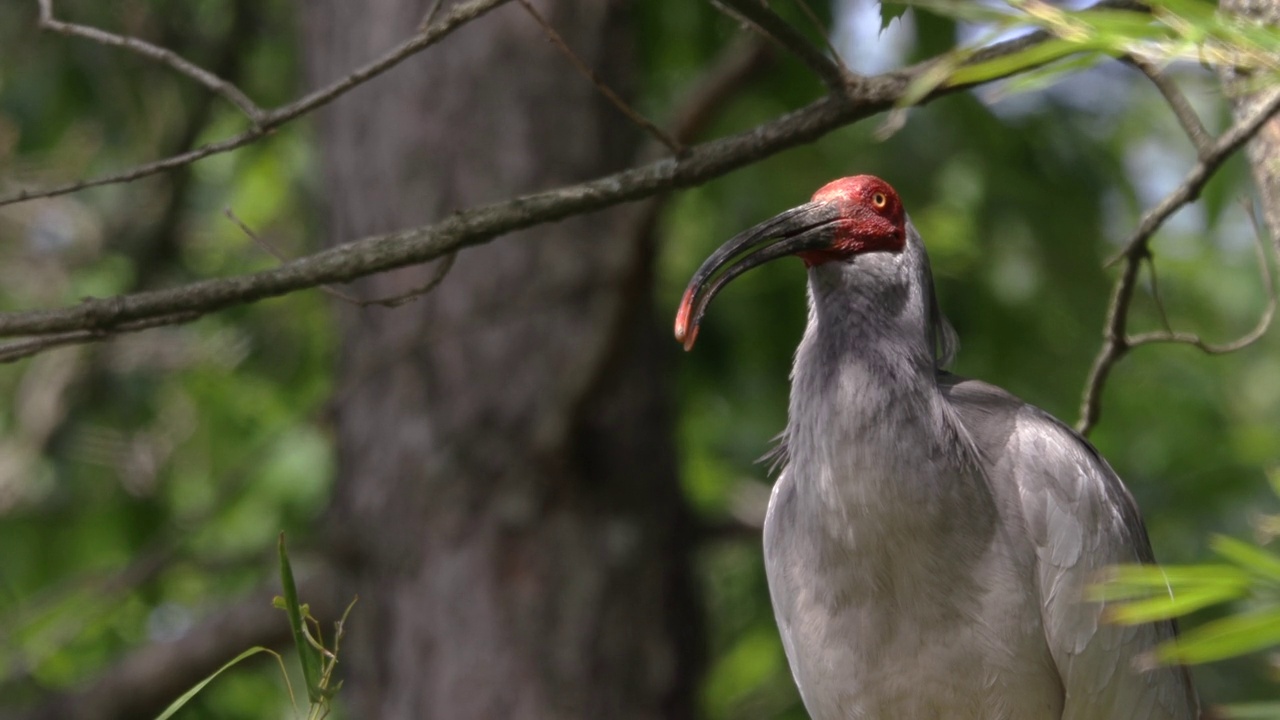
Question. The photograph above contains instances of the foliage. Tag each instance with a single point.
(144, 482)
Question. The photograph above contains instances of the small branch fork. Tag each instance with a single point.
(95, 318)
(164, 56)
(264, 121)
(394, 301)
(852, 97)
(1117, 342)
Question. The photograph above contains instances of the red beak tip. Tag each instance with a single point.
(689, 339)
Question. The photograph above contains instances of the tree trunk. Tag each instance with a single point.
(507, 505)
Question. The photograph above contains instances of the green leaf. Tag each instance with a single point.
(308, 656)
(177, 705)
(1249, 557)
(1166, 607)
(1229, 637)
(1133, 582)
(1251, 711)
(890, 11)
(1042, 77)
(1034, 56)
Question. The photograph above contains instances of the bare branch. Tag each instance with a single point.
(1114, 346)
(1244, 341)
(1194, 181)
(273, 252)
(388, 302)
(164, 56)
(825, 34)
(460, 15)
(395, 301)
(1116, 342)
(417, 245)
(1178, 103)
(600, 84)
(470, 227)
(770, 25)
(430, 16)
(19, 349)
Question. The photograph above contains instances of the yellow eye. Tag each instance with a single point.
(879, 200)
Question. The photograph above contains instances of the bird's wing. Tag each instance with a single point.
(1080, 519)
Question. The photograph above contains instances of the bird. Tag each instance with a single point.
(930, 540)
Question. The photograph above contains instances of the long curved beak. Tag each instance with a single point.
(808, 227)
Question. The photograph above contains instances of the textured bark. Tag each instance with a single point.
(1264, 149)
(507, 506)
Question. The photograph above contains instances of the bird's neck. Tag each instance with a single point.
(870, 437)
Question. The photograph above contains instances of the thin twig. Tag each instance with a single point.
(19, 349)
(389, 302)
(1194, 181)
(395, 301)
(1245, 340)
(1157, 297)
(825, 34)
(430, 16)
(164, 56)
(766, 22)
(632, 114)
(273, 252)
(1178, 103)
(378, 253)
(1116, 343)
(456, 18)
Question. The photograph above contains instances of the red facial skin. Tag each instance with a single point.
(868, 217)
(871, 218)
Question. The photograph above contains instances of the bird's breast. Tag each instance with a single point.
(905, 625)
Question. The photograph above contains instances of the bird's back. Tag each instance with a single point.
(1079, 518)
(976, 610)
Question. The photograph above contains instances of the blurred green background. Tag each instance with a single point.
(143, 480)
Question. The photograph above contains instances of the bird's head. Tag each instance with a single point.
(846, 219)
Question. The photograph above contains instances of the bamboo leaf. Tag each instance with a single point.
(1135, 582)
(1166, 607)
(308, 656)
(1229, 637)
(182, 700)
(1250, 557)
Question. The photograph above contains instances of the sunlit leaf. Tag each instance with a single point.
(1166, 607)
(1229, 637)
(1249, 557)
(1124, 582)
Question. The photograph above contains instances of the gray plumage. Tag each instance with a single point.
(930, 539)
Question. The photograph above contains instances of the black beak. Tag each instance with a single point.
(808, 227)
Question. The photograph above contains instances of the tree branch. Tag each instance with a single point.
(1260, 328)
(477, 225)
(588, 73)
(268, 121)
(1178, 103)
(832, 73)
(164, 56)
(1116, 341)
(19, 349)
